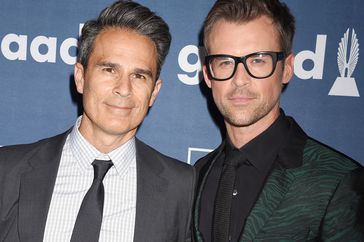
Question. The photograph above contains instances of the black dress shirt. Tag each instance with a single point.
(258, 157)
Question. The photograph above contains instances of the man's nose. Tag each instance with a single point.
(123, 87)
(241, 76)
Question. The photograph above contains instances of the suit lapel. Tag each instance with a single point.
(151, 188)
(203, 172)
(36, 187)
(271, 196)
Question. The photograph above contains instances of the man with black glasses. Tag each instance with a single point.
(267, 181)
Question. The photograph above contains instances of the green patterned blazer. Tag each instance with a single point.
(316, 201)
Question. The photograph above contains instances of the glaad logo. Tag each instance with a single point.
(345, 85)
(14, 47)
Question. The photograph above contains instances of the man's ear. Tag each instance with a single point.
(206, 76)
(79, 77)
(288, 70)
(157, 87)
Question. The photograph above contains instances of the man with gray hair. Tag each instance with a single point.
(97, 181)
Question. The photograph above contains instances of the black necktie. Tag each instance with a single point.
(89, 218)
(222, 210)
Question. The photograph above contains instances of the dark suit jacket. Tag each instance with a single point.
(316, 201)
(27, 175)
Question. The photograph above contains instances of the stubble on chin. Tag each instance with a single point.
(245, 115)
(238, 117)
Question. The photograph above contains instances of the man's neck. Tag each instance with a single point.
(107, 144)
(103, 141)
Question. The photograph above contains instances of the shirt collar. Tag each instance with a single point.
(283, 141)
(85, 153)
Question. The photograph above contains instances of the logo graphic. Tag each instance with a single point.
(195, 153)
(16, 47)
(194, 68)
(345, 85)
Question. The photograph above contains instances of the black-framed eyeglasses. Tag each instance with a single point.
(258, 65)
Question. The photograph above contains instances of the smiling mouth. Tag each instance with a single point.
(119, 107)
(241, 100)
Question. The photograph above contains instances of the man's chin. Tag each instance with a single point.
(239, 122)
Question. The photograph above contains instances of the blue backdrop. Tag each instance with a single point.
(37, 97)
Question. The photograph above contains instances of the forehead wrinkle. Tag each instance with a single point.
(108, 64)
(122, 38)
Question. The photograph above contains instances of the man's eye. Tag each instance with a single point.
(257, 61)
(109, 69)
(226, 63)
(138, 76)
(222, 62)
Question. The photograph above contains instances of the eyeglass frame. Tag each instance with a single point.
(276, 56)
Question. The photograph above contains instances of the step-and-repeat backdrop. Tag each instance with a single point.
(37, 96)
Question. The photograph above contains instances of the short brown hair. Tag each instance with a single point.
(241, 11)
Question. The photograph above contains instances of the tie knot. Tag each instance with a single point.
(100, 168)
